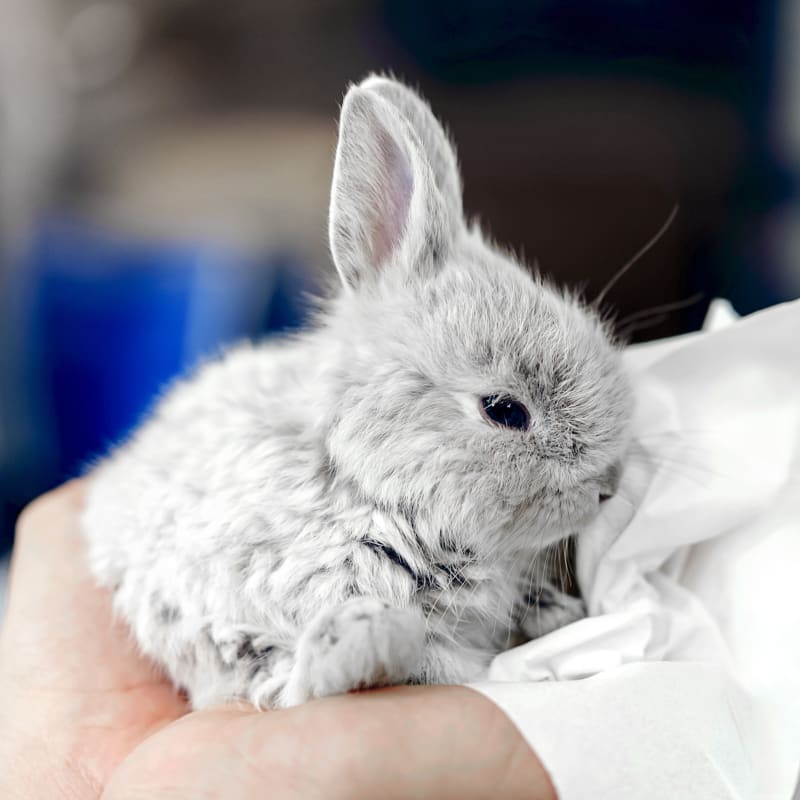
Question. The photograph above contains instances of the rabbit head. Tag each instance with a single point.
(462, 386)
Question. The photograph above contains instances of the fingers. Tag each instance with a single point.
(65, 499)
(59, 631)
(47, 527)
(47, 562)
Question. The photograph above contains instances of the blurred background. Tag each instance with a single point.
(165, 167)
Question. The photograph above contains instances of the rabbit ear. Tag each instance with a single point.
(388, 207)
(438, 148)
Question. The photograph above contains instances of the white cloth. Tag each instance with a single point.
(684, 681)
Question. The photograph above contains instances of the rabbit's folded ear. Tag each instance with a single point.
(396, 197)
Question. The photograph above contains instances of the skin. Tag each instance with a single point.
(82, 715)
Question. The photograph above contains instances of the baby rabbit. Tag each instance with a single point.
(365, 503)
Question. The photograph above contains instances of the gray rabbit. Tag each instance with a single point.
(366, 503)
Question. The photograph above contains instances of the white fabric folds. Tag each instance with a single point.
(684, 681)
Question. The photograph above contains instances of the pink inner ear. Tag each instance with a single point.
(395, 188)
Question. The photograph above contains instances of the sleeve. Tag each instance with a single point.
(644, 731)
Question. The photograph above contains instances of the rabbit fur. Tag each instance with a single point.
(333, 511)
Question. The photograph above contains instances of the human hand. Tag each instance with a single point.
(75, 698)
(84, 716)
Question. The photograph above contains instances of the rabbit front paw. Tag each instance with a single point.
(363, 643)
(548, 608)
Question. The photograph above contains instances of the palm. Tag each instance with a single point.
(68, 652)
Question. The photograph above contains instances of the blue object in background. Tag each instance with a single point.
(105, 321)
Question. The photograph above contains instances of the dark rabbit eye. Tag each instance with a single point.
(505, 411)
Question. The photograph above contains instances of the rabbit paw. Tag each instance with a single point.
(361, 644)
(549, 609)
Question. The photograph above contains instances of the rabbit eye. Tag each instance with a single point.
(505, 411)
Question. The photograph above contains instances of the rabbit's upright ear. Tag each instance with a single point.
(396, 197)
